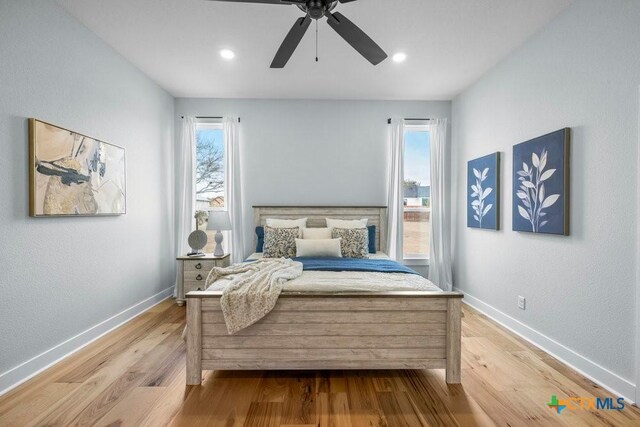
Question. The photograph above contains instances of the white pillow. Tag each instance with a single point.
(346, 223)
(288, 223)
(318, 247)
(316, 233)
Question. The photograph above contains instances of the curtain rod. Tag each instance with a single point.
(209, 117)
(411, 119)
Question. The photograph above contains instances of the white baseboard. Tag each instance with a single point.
(32, 367)
(602, 376)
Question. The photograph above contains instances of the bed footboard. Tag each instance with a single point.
(391, 330)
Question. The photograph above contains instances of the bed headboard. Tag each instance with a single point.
(377, 216)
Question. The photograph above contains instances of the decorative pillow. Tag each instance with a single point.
(354, 243)
(372, 239)
(280, 242)
(318, 247)
(288, 223)
(260, 235)
(316, 233)
(347, 223)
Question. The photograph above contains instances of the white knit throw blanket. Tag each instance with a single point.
(253, 289)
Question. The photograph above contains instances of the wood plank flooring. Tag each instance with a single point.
(135, 376)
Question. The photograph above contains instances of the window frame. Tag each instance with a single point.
(217, 124)
(415, 259)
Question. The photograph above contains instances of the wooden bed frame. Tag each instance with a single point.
(324, 330)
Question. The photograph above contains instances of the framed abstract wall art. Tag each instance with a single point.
(541, 184)
(71, 174)
(483, 192)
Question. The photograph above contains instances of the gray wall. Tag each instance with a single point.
(59, 277)
(581, 71)
(301, 152)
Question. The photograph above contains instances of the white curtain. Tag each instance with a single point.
(440, 247)
(395, 202)
(185, 185)
(233, 187)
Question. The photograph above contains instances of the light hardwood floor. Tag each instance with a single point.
(136, 376)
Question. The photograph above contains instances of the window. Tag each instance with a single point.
(417, 192)
(209, 173)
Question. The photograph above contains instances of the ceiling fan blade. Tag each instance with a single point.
(291, 42)
(262, 1)
(356, 38)
(346, 1)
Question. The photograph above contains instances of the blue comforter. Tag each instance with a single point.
(353, 264)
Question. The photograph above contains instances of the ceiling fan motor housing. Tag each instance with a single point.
(317, 8)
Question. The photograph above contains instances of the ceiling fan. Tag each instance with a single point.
(316, 9)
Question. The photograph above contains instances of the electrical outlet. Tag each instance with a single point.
(522, 303)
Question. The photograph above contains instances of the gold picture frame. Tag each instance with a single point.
(71, 174)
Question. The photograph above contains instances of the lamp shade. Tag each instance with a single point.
(219, 220)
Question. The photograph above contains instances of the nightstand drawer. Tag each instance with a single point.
(193, 272)
(193, 286)
(200, 265)
(195, 275)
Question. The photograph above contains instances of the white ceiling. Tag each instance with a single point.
(449, 44)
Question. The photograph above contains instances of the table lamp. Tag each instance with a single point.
(218, 220)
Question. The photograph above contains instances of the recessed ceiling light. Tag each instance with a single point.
(227, 54)
(399, 57)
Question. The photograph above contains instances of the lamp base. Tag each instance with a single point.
(218, 252)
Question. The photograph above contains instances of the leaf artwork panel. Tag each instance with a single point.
(540, 184)
(483, 192)
(74, 175)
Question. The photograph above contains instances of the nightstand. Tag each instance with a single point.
(193, 272)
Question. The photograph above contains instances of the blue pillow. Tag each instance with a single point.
(260, 234)
(372, 239)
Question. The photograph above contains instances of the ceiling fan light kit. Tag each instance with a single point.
(317, 9)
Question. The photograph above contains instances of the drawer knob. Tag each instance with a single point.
(198, 266)
(199, 277)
